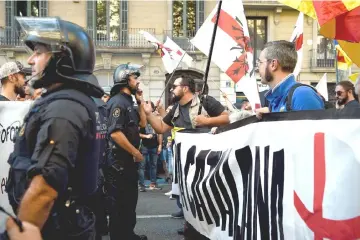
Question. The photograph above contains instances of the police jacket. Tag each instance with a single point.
(123, 117)
(101, 130)
(58, 141)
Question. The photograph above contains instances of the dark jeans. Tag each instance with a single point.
(122, 213)
(151, 157)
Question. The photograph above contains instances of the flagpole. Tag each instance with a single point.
(336, 66)
(210, 54)
(172, 74)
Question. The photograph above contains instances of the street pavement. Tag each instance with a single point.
(153, 215)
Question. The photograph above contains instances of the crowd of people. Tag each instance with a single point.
(82, 153)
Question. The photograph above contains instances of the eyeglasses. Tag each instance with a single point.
(16, 220)
(258, 62)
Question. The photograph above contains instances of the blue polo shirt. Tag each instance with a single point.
(304, 98)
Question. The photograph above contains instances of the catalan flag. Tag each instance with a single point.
(338, 19)
(343, 61)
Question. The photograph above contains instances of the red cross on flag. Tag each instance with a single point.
(171, 54)
(232, 52)
(297, 37)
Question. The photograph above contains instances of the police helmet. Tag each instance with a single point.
(122, 75)
(73, 52)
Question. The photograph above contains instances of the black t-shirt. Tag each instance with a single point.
(2, 98)
(352, 104)
(211, 105)
(149, 143)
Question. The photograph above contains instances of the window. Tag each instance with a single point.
(107, 21)
(258, 35)
(188, 16)
(325, 52)
(21, 8)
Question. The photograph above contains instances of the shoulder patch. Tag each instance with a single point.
(22, 130)
(116, 112)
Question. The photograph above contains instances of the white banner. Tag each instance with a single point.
(291, 176)
(11, 117)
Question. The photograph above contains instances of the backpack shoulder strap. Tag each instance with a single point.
(291, 93)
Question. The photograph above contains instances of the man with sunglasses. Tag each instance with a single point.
(275, 65)
(345, 95)
(12, 75)
(184, 115)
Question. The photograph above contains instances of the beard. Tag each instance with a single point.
(20, 91)
(341, 102)
(133, 90)
(175, 98)
(268, 76)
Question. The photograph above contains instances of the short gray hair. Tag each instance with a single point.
(284, 52)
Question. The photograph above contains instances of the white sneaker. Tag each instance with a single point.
(168, 193)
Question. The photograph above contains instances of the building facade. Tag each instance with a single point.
(114, 27)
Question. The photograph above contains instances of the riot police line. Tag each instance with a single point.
(61, 166)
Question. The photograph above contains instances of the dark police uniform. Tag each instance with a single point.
(58, 141)
(123, 171)
(98, 202)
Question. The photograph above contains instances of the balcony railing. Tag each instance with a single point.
(9, 37)
(181, 38)
(102, 38)
(319, 61)
(129, 38)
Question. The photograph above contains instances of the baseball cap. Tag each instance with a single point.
(10, 68)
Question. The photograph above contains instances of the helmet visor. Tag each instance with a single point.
(42, 30)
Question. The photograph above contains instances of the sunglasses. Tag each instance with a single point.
(175, 86)
(339, 93)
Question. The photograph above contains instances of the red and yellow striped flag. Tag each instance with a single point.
(338, 19)
(343, 61)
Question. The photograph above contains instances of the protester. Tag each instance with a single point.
(345, 95)
(123, 129)
(12, 76)
(151, 148)
(184, 115)
(276, 63)
(357, 88)
(53, 167)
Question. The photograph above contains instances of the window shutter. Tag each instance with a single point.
(43, 5)
(200, 13)
(91, 13)
(124, 9)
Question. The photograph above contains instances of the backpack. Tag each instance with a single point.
(291, 93)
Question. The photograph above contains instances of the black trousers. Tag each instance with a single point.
(125, 196)
(97, 203)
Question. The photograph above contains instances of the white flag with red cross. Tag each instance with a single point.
(171, 54)
(297, 38)
(232, 52)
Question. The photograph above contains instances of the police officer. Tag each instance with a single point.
(54, 165)
(123, 129)
(97, 202)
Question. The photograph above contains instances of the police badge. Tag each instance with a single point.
(116, 112)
